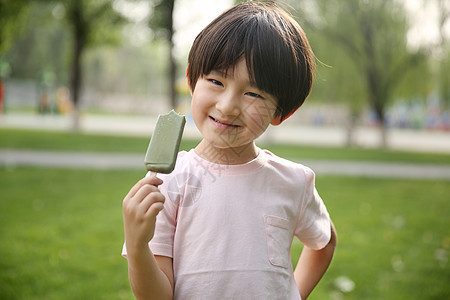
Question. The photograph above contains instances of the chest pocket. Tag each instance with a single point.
(278, 240)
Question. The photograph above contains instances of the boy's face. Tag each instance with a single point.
(229, 110)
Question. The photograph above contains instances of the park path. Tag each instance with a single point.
(107, 161)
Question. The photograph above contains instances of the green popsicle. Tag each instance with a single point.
(165, 142)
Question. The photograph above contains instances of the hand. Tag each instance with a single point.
(140, 208)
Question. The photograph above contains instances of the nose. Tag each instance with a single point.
(228, 104)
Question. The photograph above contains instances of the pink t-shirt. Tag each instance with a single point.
(229, 228)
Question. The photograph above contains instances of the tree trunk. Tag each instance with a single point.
(173, 65)
(76, 84)
(351, 124)
(379, 111)
(76, 78)
(444, 78)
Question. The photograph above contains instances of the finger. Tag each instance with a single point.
(153, 197)
(149, 200)
(153, 180)
(134, 189)
(145, 191)
(154, 209)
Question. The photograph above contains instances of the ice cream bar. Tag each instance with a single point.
(165, 142)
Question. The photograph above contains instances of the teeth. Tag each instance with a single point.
(217, 121)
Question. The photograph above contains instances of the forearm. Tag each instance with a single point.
(150, 277)
(147, 280)
(312, 265)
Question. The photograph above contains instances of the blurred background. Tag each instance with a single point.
(381, 64)
(81, 85)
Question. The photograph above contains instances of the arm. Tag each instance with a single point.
(150, 277)
(312, 265)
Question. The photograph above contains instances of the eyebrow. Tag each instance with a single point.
(225, 75)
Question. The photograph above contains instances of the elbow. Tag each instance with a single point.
(333, 238)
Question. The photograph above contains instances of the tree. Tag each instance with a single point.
(372, 34)
(91, 23)
(161, 22)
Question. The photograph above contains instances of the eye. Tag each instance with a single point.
(254, 95)
(215, 82)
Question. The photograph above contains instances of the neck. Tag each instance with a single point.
(226, 156)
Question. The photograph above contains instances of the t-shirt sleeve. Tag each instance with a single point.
(313, 225)
(162, 242)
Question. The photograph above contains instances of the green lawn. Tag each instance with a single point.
(393, 238)
(61, 230)
(61, 236)
(49, 140)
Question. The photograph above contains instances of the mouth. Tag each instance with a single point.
(223, 124)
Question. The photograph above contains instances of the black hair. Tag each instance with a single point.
(278, 55)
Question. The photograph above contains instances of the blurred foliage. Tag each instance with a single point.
(142, 74)
(364, 42)
(90, 23)
(44, 45)
(46, 31)
(12, 16)
(443, 77)
(161, 18)
(98, 20)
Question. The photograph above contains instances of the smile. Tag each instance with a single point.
(222, 124)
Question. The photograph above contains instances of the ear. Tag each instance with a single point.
(277, 120)
(187, 79)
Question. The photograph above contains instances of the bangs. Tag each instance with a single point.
(219, 48)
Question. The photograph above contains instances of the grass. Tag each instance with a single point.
(393, 238)
(61, 230)
(49, 140)
(61, 235)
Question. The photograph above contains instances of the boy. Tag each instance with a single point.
(229, 211)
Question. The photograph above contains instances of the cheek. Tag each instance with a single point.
(196, 103)
(199, 106)
(195, 109)
(261, 114)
